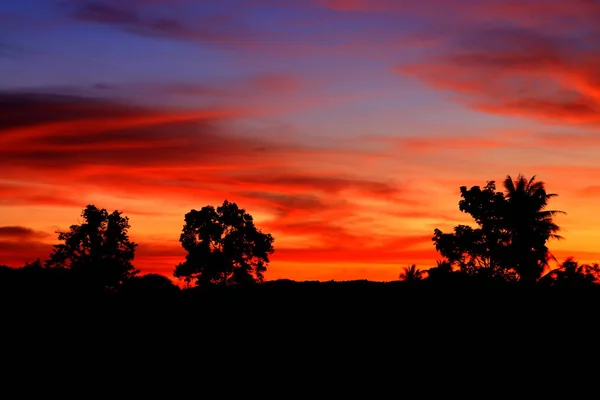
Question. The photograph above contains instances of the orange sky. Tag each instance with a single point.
(344, 127)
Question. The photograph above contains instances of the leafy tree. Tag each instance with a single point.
(411, 274)
(98, 250)
(224, 247)
(572, 274)
(512, 232)
(478, 251)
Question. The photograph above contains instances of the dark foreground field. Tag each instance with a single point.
(278, 332)
(323, 306)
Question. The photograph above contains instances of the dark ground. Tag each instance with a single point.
(313, 305)
(348, 332)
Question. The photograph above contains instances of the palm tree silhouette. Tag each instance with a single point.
(572, 274)
(529, 225)
(411, 274)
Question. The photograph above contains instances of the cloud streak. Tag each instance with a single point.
(20, 233)
(532, 59)
(19, 244)
(152, 19)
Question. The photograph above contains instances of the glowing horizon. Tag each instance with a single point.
(344, 127)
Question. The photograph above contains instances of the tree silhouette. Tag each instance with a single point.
(572, 274)
(529, 225)
(478, 250)
(98, 250)
(224, 246)
(512, 231)
(411, 274)
(441, 272)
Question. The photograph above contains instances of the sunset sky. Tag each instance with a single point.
(345, 127)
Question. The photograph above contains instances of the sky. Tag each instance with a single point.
(344, 127)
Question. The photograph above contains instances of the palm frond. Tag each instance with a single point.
(509, 184)
(529, 184)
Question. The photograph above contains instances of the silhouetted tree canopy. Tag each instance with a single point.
(411, 274)
(442, 272)
(530, 226)
(98, 250)
(572, 274)
(224, 246)
(513, 228)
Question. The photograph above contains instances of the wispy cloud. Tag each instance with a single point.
(20, 233)
(19, 244)
(531, 59)
(156, 19)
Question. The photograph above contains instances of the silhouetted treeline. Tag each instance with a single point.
(227, 256)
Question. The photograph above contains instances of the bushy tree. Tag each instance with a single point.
(98, 250)
(224, 247)
(513, 228)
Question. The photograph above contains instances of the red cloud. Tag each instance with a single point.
(519, 66)
(529, 12)
(20, 233)
(19, 245)
(17, 253)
